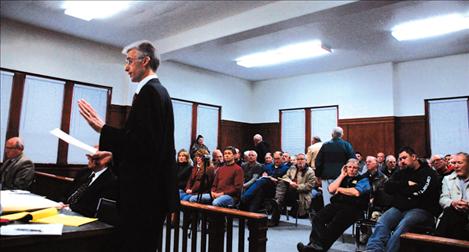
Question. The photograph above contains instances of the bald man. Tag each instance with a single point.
(17, 172)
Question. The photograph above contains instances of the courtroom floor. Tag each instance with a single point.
(284, 237)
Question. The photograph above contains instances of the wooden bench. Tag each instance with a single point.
(411, 242)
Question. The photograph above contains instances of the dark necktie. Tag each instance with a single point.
(80, 190)
(134, 98)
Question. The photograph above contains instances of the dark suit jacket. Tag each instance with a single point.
(144, 156)
(105, 186)
(17, 173)
(261, 149)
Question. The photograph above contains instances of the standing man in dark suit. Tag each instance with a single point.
(142, 152)
(331, 158)
(261, 148)
(89, 186)
(17, 172)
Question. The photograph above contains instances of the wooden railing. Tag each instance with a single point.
(50, 185)
(412, 242)
(213, 222)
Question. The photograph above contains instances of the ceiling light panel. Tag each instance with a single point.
(88, 10)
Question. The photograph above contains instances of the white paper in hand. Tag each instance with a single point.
(73, 141)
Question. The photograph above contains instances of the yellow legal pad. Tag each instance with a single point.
(49, 216)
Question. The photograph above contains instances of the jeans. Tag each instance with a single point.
(183, 195)
(222, 201)
(326, 195)
(397, 222)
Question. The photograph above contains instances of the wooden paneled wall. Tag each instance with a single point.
(370, 135)
(412, 131)
(367, 135)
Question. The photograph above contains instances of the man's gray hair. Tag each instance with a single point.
(258, 137)
(337, 132)
(145, 49)
(389, 157)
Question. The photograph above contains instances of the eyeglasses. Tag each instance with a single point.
(130, 61)
(350, 166)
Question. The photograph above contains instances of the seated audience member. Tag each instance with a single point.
(264, 187)
(351, 192)
(440, 165)
(295, 185)
(380, 201)
(313, 151)
(286, 159)
(415, 192)
(252, 169)
(447, 158)
(268, 158)
(201, 178)
(17, 172)
(217, 158)
(380, 158)
(198, 144)
(183, 169)
(293, 160)
(90, 185)
(455, 200)
(245, 157)
(228, 182)
(390, 166)
(361, 162)
(237, 157)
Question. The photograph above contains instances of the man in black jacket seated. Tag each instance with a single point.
(415, 190)
(89, 186)
(351, 196)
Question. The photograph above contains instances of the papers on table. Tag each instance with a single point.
(31, 229)
(73, 141)
(13, 201)
(49, 216)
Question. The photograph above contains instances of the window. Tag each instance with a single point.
(6, 84)
(79, 128)
(323, 120)
(448, 123)
(293, 131)
(40, 113)
(207, 125)
(182, 124)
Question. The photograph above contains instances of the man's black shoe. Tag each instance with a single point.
(308, 248)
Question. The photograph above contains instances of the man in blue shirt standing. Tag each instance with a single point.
(330, 159)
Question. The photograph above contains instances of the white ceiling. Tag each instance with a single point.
(211, 34)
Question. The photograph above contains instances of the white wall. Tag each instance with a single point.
(35, 50)
(430, 78)
(371, 91)
(195, 84)
(359, 92)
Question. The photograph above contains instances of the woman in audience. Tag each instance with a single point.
(183, 169)
(454, 199)
(198, 144)
(201, 178)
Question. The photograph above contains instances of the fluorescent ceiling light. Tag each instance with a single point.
(88, 10)
(304, 50)
(430, 27)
